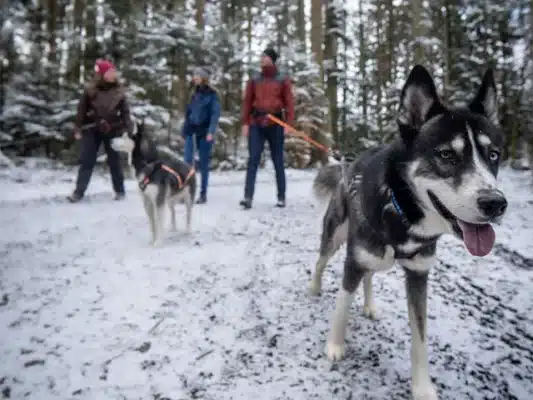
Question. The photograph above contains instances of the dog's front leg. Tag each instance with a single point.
(353, 274)
(416, 279)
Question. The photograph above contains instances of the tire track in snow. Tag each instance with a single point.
(513, 257)
(498, 328)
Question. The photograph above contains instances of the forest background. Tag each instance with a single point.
(347, 60)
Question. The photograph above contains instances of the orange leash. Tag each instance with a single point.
(298, 133)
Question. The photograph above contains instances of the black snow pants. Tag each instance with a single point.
(90, 143)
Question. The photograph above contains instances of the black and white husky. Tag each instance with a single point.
(393, 202)
(163, 181)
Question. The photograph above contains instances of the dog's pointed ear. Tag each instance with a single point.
(419, 102)
(486, 100)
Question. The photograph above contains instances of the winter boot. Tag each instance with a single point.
(74, 197)
(280, 203)
(246, 204)
(202, 199)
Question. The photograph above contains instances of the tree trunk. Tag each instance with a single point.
(418, 30)
(363, 57)
(330, 56)
(7, 63)
(51, 27)
(529, 125)
(389, 64)
(91, 44)
(249, 34)
(37, 20)
(345, 91)
(300, 25)
(200, 11)
(283, 25)
(75, 57)
(447, 48)
(379, 84)
(317, 34)
(52, 16)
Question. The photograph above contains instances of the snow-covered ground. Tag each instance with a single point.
(88, 310)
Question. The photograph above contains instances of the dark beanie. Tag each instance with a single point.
(272, 54)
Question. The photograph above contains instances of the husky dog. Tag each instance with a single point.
(393, 202)
(163, 182)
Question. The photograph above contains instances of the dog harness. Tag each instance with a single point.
(180, 182)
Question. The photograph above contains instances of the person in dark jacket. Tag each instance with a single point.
(200, 126)
(269, 92)
(103, 113)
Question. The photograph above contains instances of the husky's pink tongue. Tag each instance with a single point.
(479, 239)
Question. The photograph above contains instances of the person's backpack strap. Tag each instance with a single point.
(280, 77)
(256, 77)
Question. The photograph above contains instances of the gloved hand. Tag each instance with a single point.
(105, 126)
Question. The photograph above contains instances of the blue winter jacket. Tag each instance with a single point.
(203, 113)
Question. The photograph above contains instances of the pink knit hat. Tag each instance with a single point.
(102, 66)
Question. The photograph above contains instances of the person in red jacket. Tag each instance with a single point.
(269, 92)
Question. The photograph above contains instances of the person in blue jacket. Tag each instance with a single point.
(200, 126)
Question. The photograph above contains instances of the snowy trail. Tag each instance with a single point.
(88, 310)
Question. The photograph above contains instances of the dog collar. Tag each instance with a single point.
(398, 208)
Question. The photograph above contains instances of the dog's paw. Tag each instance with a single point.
(335, 351)
(425, 392)
(314, 288)
(155, 243)
(370, 312)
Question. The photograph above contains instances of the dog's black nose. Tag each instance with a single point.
(492, 204)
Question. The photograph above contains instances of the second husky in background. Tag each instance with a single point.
(163, 182)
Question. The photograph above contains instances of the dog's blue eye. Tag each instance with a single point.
(494, 156)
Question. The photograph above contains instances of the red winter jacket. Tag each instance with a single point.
(269, 92)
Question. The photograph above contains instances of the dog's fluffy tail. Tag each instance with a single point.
(326, 182)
